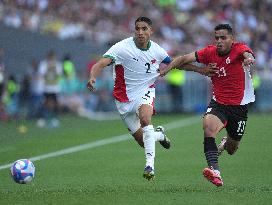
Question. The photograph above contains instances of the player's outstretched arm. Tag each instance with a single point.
(209, 70)
(96, 70)
(179, 62)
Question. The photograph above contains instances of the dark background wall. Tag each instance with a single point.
(22, 46)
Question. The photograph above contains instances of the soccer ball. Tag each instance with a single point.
(22, 171)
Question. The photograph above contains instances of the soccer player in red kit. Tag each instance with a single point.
(232, 92)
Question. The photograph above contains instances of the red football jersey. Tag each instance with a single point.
(232, 84)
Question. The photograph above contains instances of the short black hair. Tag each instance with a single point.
(224, 27)
(144, 19)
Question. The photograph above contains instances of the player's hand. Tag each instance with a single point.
(164, 71)
(90, 84)
(249, 61)
(209, 70)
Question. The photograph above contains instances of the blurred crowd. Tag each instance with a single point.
(49, 87)
(181, 25)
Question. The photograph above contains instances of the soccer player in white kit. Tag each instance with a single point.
(136, 62)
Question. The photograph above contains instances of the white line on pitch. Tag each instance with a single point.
(111, 140)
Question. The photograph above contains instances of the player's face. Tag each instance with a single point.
(142, 34)
(223, 41)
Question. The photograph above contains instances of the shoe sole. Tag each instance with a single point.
(209, 175)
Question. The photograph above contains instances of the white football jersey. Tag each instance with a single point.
(50, 72)
(134, 69)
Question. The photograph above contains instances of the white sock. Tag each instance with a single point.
(159, 136)
(149, 144)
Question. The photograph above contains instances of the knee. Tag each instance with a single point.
(208, 131)
(144, 121)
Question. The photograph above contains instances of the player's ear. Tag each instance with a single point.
(151, 30)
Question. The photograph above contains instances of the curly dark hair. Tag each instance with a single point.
(224, 27)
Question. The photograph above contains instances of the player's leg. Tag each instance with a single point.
(212, 125)
(231, 145)
(159, 136)
(55, 109)
(235, 128)
(47, 109)
(138, 136)
(145, 110)
(131, 120)
(149, 99)
(145, 114)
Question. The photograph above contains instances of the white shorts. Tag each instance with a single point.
(129, 111)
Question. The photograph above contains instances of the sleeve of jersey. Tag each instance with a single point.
(202, 55)
(167, 60)
(162, 55)
(112, 53)
(244, 48)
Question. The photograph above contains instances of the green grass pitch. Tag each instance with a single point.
(112, 173)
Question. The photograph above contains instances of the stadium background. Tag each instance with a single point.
(84, 30)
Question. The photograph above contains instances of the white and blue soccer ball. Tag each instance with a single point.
(22, 171)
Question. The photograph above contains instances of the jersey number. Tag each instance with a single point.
(241, 127)
(146, 95)
(221, 72)
(148, 67)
